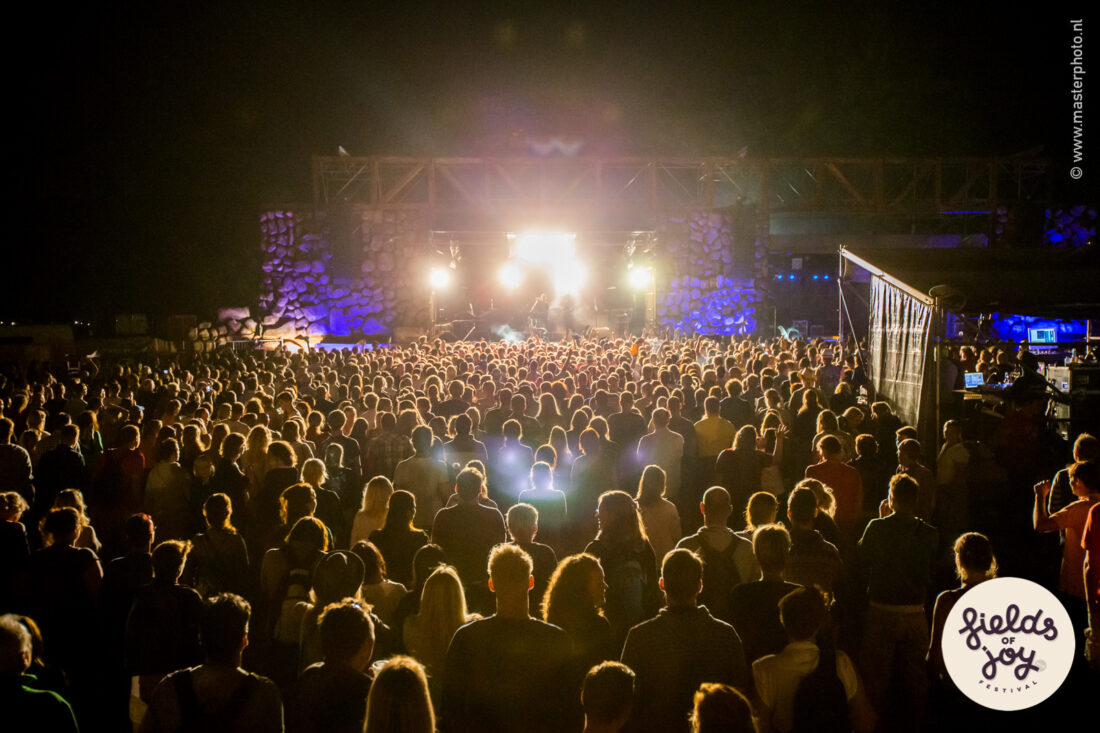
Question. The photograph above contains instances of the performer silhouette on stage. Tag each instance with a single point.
(540, 312)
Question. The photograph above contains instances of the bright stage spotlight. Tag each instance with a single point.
(545, 248)
(568, 277)
(439, 278)
(640, 277)
(510, 275)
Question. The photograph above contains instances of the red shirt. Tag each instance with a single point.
(847, 487)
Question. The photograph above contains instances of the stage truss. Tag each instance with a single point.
(642, 188)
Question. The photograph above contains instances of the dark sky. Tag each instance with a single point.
(144, 139)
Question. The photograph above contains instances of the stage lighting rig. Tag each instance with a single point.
(641, 278)
(439, 277)
(544, 248)
(568, 277)
(510, 275)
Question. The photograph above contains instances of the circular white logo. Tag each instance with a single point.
(1008, 644)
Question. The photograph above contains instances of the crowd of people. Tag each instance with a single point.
(598, 535)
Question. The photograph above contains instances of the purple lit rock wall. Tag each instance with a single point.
(306, 292)
(718, 262)
(1073, 227)
(296, 286)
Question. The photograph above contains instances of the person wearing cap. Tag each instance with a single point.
(338, 575)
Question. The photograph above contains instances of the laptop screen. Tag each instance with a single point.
(974, 379)
(1042, 335)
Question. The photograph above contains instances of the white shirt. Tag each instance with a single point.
(777, 677)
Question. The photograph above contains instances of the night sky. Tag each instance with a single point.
(144, 141)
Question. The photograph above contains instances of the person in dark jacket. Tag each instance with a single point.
(678, 650)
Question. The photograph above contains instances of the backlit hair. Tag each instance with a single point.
(399, 698)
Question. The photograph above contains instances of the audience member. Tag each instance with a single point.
(896, 555)
(974, 563)
(812, 560)
(727, 558)
(507, 672)
(660, 518)
(628, 562)
(218, 561)
(217, 694)
(1084, 481)
(428, 633)
(399, 700)
(607, 696)
(792, 694)
(332, 695)
(844, 480)
(162, 630)
(550, 503)
(523, 525)
(423, 477)
(398, 540)
(467, 532)
(754, 605)
(664, 448)
(379, 591)
(721, 709)
(678, 650)
(574, 602)
(372, 514)
(19, 695)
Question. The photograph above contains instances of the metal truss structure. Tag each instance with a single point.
(643, 188)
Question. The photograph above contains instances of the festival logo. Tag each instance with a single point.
(1008, 644)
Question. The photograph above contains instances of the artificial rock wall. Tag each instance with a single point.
(362, 274)
(719, 271)
(304, 293)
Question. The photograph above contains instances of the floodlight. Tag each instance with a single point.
(439, 278)
(510, 275)
(640, 277)
(568, 277)
(545, 248)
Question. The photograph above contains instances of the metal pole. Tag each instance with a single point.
(937, 325)
(839, 303)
